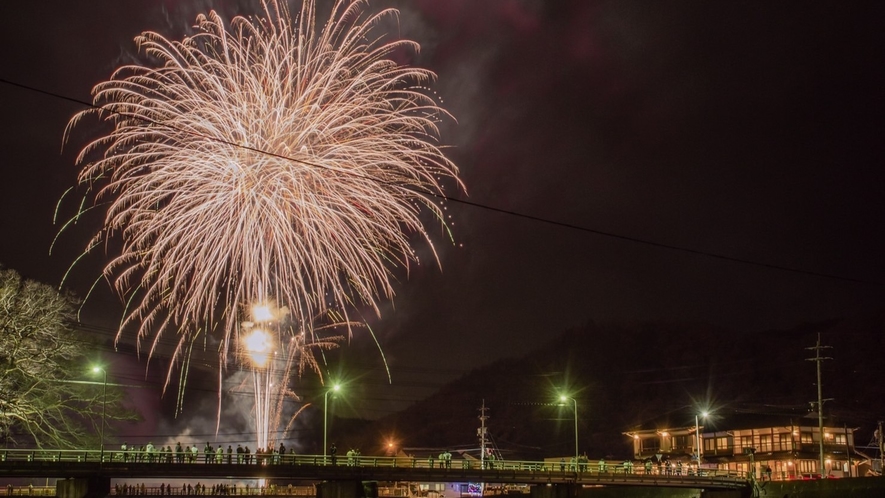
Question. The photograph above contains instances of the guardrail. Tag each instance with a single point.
(83, 456)
(118, 464)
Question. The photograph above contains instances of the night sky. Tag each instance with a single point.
(749, 130)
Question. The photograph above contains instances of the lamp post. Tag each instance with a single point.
(563, 398)
(335, 388)
(697, 433)
(104, 402)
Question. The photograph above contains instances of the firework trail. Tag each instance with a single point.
(271, 354)
(272, 158)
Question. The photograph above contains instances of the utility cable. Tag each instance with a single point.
(561, 224)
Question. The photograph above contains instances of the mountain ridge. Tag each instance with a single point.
(622, 375)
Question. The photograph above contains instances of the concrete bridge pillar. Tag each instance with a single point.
(346, 489)
(91, 487)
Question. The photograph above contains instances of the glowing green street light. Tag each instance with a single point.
(335, 388)
(563, 398)
(104, 400)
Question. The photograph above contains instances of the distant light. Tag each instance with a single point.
(96, 369)
(665, 433)
(704, 414)
(336, 387)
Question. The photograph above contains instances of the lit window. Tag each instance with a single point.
(786, 441)
(650, 445)
(682, 442)
(765, 442)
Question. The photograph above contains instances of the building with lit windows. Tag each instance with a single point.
(741, 442)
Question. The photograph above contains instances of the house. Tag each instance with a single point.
(788, 444)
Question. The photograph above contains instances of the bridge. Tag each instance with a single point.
(47, 463)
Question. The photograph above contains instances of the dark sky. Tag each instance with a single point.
(752, 130)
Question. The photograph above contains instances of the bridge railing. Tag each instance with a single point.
(188, 458)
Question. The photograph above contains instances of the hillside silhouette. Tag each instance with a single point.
(625, 375)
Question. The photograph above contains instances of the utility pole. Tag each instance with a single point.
(881, 449)
(820, 401)
(482, 432)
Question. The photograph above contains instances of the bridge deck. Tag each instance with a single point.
(312, 468)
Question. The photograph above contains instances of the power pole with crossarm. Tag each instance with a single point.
(820, 401)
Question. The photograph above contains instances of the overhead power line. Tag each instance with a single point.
(539, 219)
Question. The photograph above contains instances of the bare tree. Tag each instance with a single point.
(42, 358)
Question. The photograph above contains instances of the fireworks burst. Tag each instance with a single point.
(267, 159)
(271, 354)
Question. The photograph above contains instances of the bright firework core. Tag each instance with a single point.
(262, 313)
(258, 344)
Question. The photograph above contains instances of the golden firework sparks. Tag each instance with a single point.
(268, 158)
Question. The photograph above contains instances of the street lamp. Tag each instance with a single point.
(697, 433)
(335, 388)
(104, 402)
(563, 398)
